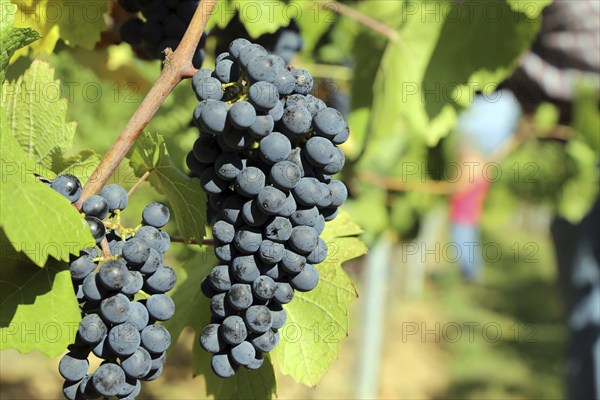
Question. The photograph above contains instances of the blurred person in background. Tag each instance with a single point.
(565, 54)
(483, 131)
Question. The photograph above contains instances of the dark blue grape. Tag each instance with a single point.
(271, 252)
(95, 206)
(252, 214)
(96, 228)
(305, 216)
(292, 262)
(319, 254)
(67, 185)
(296, 120)
(242, 115)
(262, 126)
(92, 329)
(240, 296)
(284, 293)
(115, 309)
(135, 282)
(233, 330)
(222, 366)
(220, 278)
(263, 95)
(161, 281)
(319, 151)
(265, 342)
(74, 365)
(270, 200)
(328, 123)
(115, 196)
(208, 88)
(274, 148)
(285, 175)
(124, 339)
(245, 269)
(113, 274)
(108, 379)
(243, 353)
(258, 319)
(155, 338)
(160, 307)
(81, 267)
(306, 280)
(205, 149)
(250, 181)
(304, 81)
(278, 315)
(307, 191)
(138, 315)
(278, 230)
(210, 340)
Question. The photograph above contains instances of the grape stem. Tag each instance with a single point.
(177, 66)
(179, 239)
(139, 182)
(105, 248)
(363, 19)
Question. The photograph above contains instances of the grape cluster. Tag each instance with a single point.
(115, 327)
(265, 155)
(163, 25)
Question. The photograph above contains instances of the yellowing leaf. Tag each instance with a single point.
(318, 320)
(78, 23)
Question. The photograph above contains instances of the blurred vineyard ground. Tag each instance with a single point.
(515, 296)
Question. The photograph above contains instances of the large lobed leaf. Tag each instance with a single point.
(38, 309)
(36, 114)
(186, 198)
(428, 75)
(11, 38)
(193, 310)
(318, 320)
(37, 220)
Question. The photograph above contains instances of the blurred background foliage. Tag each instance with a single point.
(402, 79)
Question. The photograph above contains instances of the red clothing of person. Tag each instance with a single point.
(466, 205)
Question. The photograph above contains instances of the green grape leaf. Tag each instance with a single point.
(186, 199)
(313, 21)
(586, 117)
(318, 320)
(263, 17)
(580, 191)
(78, 23)
(11, 38)
(36, 114)
(81, 22)
(37, 220)
(416, 90)
(532, 9)
(193, 310)
(223, 13)
(81, 164)
(38, 309)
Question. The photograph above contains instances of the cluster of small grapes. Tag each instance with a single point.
(115, 327)
(265, 156)
(163, 25)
